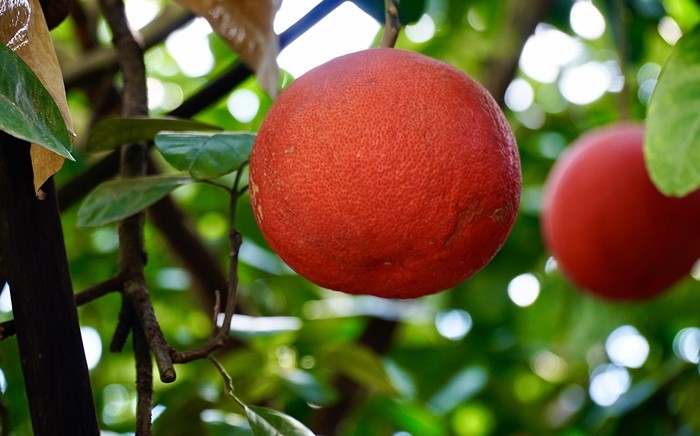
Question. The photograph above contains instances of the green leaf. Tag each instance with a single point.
(360, 364)
(27, 110)
(266, 422)
(309, 387)
(463, 386)
(205, 156)
(672, 143)
(117, 199)
(410, 11)
(111, 133)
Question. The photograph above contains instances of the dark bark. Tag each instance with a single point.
(55, 11)
(45, 314)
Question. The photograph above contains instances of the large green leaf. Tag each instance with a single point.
(27, 110)
(117, 199)
(269, 422)
(360, 364)
(205, 155)
(110, 133)
(672, 143)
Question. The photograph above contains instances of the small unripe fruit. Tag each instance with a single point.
(611, 231)
(385, 172)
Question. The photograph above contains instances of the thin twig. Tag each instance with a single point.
(144, 382)
(125, 321)
(228, 381)
(112, 284)
(213, 91)
(392, 23)
(7, 329)
(220, 334)
(92, 63)
(92, 293)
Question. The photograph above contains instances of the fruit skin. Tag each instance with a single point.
(610, 230)
(385, 172)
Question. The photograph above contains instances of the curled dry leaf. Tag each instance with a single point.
(246, 25)
(23, 29)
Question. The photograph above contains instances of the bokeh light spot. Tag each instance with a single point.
(584, 84)
(422, 31)
(104, 240)
(189, 47)
(608, 383)
(141, 12)
(176, 279)
(453, 324)
(92, 343)
(549, 366)
(546, 51)
(244, 105)
(586, 20)
(519, 95)
(212, 226)
(5, 299)
(473, 420)
(669, 30)
(524, 289)
(627, 347)
(686, 344)
(328, 39)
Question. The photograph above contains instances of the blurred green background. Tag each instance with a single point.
(513, 350)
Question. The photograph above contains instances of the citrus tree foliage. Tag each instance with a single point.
(515, 349)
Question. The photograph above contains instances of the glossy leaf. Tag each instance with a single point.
(117, 199)
(672, 143)
(360, 364)
(27, 110)
(110, 133)
(205, 155)
(269, 422)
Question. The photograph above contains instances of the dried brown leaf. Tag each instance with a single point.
(23, 29)
(246, 25)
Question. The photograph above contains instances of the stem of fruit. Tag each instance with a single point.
(620, 35)
(221, 333)
(392, 23)
(228, 381)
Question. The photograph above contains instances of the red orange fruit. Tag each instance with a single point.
(610, 230)
(385, 172)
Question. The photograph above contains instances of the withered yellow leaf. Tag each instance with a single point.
(247, 26)
(23, 29)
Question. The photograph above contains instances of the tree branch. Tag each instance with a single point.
(213, 91)
(45, 317)
(392, 25)
(94, 63)
(220, 334)
(521, 20)
(113, 284)
(132, 255)
(144, 381)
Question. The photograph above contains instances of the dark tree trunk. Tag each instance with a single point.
(46, 320)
